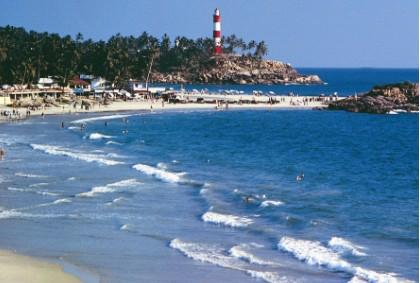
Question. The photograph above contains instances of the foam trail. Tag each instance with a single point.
(160, 174)
(38, 185)
(26, 175)
(62, 200)
(217, 256)
(123, 185)
(99, 136)
(341, 245)
(314, 253)
(113, 142)
(226, 219)
(109, 117)
(44, 193)
(242, 252)
(88, 157)
(268, 203)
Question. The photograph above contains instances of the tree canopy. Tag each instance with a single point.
(27, 56)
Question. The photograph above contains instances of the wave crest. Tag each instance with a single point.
(226, 219)
(88, 157)
(111, 188)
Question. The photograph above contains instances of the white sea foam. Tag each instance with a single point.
(5, 214)
(216, 255)
(356, 279)
(73, 128)
(109, 117)
(268, 203)
(38, 185)
(98, 136)
(160, 174)
(27, 175)
(162, 165)
(62, 200)
(242, 251)
(392, 112)
(71, 178)
(88, 157)
(270, 277)
(113, 142)
(119, 186)
(343, 246)
(314, 253)
(226, 219)
(127, 227)
(44, 193)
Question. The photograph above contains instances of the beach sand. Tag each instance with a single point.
(157, 106)
(16, 268)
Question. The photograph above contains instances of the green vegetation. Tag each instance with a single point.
(27, 56)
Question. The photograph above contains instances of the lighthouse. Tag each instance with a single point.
(217, 33)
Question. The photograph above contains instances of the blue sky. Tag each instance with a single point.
(305, 33)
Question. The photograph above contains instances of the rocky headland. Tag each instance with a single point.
(382, 99)
(231, 69)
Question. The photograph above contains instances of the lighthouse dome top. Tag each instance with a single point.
(217, 12)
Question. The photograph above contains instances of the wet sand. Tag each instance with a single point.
(16, 268)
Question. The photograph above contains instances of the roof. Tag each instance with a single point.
(77, 81)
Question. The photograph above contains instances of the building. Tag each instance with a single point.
(79, 86)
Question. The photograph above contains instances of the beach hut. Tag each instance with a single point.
(79, 86)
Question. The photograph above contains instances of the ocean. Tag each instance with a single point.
(213, 196)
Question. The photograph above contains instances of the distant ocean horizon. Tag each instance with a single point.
(343, 81)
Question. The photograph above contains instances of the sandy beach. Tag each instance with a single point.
(157, 105)
(23, 269)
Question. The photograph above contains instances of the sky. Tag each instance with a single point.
(304, 33)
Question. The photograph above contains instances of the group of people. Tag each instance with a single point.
(13, 115)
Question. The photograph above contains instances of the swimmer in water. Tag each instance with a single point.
(62, 124)
(300, 177)
(106, 123)
(125, 132)
(2, 154)
(248, 199)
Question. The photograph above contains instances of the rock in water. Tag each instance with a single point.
(382, 99)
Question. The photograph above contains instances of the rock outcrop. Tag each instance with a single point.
(382, 99)
(237, 70)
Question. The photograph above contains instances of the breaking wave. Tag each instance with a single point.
(242, 251)
(314, 253)
(268, 203)
(216, 255)
(120, 186)
(160, 174)
(88, 157)
(226, 219)
(98, 136)
(343, 246)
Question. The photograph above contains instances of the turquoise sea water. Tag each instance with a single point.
(212, 196)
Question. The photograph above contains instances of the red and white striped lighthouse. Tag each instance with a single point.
(217, 33)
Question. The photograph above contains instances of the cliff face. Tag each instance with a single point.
(237, 70)
(382, 99)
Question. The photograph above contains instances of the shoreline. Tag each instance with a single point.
(151, 106)
(24, 269)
